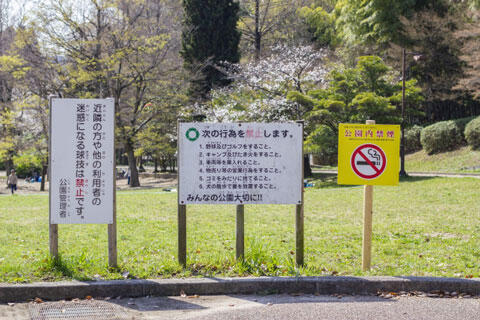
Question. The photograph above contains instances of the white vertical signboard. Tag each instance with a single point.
(82, 161)
(240, 163)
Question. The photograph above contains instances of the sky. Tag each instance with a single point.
(18, 7)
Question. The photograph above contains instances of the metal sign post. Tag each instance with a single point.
(112, 227)
(181, 211)
(299, 216)
(52, 228)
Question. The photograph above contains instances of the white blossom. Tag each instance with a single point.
(259, 89)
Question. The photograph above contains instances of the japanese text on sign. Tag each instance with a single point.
(82, 161)
(368, 154)
(240, 163)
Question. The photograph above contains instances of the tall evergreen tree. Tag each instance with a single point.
(210, 36)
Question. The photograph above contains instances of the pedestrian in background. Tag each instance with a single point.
(12, 181)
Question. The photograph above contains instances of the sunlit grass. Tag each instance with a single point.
(462, 160)
(423, 227)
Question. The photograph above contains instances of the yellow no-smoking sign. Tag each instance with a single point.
(368, 154)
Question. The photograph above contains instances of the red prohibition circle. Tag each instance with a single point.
(378, 171)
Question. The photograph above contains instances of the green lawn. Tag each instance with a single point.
(423, 227)
(463, 160)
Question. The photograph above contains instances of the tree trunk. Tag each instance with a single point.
(132, 164)
(307, 169)
(155, 162)
(258, 35)
(141, 168)
(44, 173)
(164, 164)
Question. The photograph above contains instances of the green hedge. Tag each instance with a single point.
(462, 123)
(412, 139)
(323, 144)
(442, 136)
(472, 133)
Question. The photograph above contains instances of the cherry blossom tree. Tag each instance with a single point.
(259, 90)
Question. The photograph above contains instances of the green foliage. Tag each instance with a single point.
(323, 142)
(353, 95)
(27, 164)
(414, 108)
(440, 69)
(462, 124)
(320, 25)
(441, 136)
(377, 22)
(373, 70)
(210, 36)
(472, 133)
(412, 139)
(14, 65)
(369, 105)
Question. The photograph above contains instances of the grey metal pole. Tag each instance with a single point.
(52, 228)
(182, 211)
(403, 173)
(299, 217)
(112, 228)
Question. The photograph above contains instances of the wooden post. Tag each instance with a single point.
(299, 217)
(53, 240)
(112, 228)
(367, 223)
(52, 228)
(240, 233)
(182, 234)
(182, 211)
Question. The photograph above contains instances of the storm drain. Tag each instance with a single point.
(78, 310)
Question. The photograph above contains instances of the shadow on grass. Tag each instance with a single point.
(60, 266)
(415, 179)
(322, 180)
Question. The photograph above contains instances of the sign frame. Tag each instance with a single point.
(239, 233)
(384, 140)
(53, 227)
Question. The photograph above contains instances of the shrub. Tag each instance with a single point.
(462, 124)
(323, 143)
(26, 165)
(441, 136)
(472, 133)
(412, 139)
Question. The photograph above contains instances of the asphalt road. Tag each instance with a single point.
(249, 307)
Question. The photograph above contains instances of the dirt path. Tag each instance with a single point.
(147, 181)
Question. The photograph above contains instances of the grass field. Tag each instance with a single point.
(423, 227)
(463, 160)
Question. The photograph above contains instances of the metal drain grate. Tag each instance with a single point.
(78, 310)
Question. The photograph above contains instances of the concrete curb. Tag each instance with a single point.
(218, 286)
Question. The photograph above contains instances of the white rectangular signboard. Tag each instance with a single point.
(82, 161)
(240, 163)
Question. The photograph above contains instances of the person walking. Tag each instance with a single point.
(129, 173)
(12, 181)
